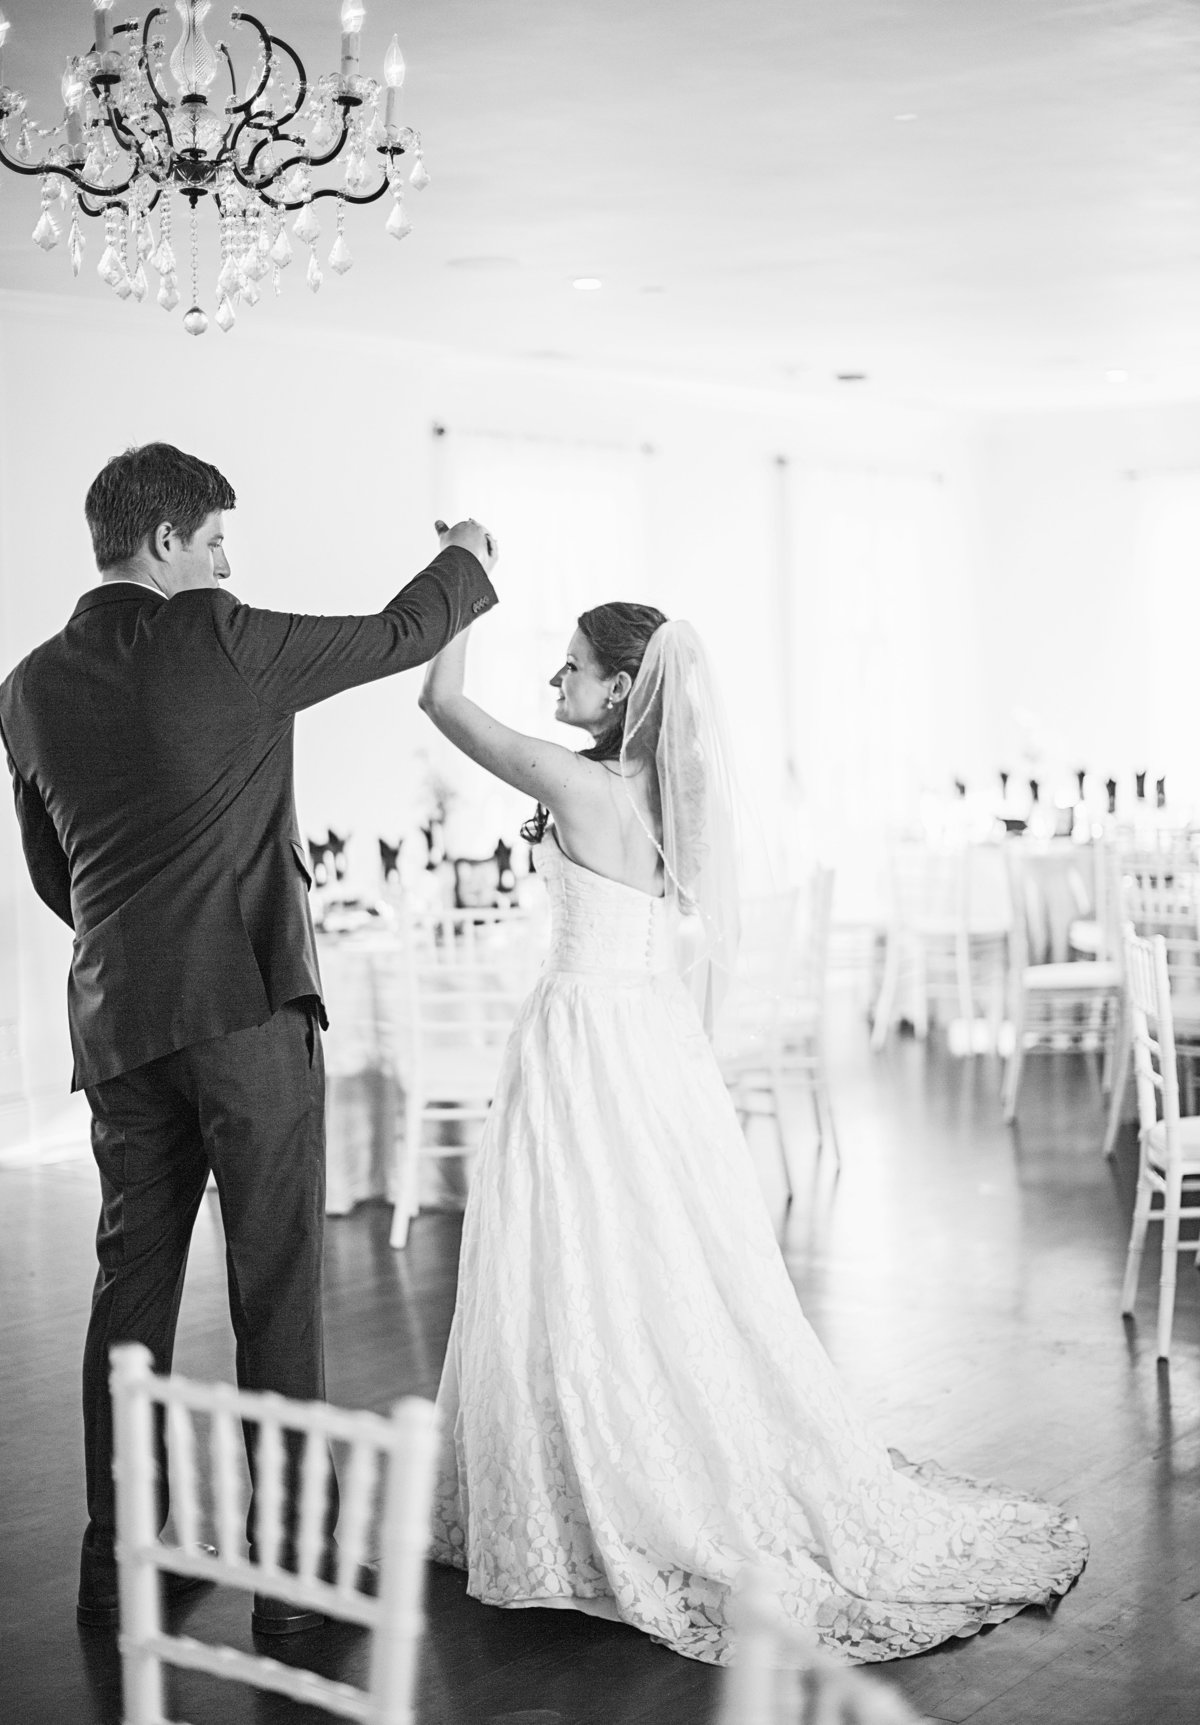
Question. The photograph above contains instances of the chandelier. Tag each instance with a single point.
(128, 147)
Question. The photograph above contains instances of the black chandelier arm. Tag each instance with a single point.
(329, 192)
(239, 17)
(67, 171)
(162, 106)
(301, 79)
(307, 161)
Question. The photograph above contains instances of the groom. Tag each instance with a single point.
(150, 746)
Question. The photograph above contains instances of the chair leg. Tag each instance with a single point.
(920, 995)
(1122, 1047)
(885, 1005)
(1137, 1241)
(1170, 1265)
(408, 1172)
(824, 1112)
(1012, 1072)
(966, 995)
(774, 1092)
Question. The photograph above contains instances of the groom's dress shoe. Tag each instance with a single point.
(98, 1605)
(283, 1617)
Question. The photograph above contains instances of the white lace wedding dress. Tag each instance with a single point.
(633, 1402)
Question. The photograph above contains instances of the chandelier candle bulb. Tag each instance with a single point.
(353, 14)
(393, 77)
(100, 12)
(5, 27)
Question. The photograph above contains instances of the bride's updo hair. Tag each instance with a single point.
(618, 634)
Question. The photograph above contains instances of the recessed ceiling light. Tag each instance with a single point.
(851, 376)
(587, 284)
(1116, 376)
(903, 117)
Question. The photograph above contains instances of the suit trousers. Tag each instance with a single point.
(249, 1106)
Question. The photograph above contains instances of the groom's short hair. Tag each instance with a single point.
(136, 491)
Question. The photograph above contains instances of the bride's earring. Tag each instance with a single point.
(609, 703)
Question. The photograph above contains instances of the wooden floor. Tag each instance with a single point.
(965, 1278)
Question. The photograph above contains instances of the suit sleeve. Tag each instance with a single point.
(47, 861)
(292, 662)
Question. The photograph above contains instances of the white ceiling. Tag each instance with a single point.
(738, 175)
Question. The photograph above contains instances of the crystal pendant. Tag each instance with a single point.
(277, 279)
(139, 285)
(398, 223)
(250, 293)
(341, 258)
(229, 280)
(281, 251)
(45, 234)
(255, 265)
(145, 241)
(313, 275)
(163, 260)
(356, 171)
(75, 247)
(168, 293)
(123, 287)
(306, 227)
(322, 135)
(419, 178)
(225, 315)
(109, 267)
(195, 321)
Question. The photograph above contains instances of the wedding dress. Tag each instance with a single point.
(633, 1403)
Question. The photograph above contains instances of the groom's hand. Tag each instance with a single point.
(472, 537)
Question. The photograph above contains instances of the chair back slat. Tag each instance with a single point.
(358, 1496)
(268, 1493)
(225, 1440)
(408, 1495)
(314, 1490)
(181, 1439)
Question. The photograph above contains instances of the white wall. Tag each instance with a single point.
(1066, 502)
(327, 439)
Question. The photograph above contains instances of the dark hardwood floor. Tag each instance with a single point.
(965, 1278)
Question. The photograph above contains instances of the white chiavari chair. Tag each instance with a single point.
(1056, 1008)
(803, 1062)
(779, 1677)
(1092, 934)
(945, 946)
(390, 1459)
(1168, 1143)
(464, 975)
(1159, 893)
(748, 1038)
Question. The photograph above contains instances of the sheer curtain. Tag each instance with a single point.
(882, 647)
(571, 522)
(1156, 687)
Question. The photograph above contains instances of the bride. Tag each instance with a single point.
(633, 1404)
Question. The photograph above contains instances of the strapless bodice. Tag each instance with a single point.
(600, 925)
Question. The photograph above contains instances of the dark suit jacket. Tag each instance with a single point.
(150, 745)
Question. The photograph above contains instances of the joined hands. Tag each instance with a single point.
(471, 536)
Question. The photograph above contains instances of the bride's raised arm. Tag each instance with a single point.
(553, 775)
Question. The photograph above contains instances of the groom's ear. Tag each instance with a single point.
(156, 542)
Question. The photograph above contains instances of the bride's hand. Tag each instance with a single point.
(472, 537)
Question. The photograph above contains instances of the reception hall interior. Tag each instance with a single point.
(865, 335)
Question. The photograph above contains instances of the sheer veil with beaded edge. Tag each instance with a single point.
(673, 719)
